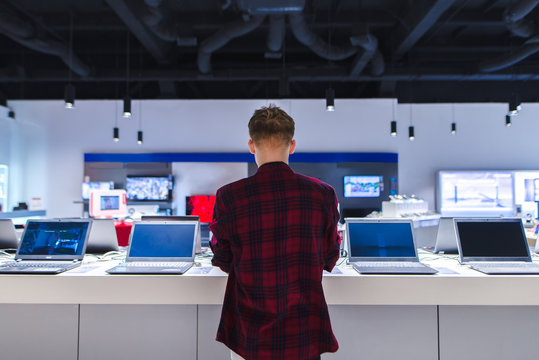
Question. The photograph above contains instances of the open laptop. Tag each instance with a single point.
(102, 237)
(383, 246)
(49, 247)
(446, 239)
(159, 247)
(8, 235)
(198, 245)
(494, 246)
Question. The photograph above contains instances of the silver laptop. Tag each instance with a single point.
(494, 246)
(446, 239)
(102, 237)
(198, 247)
(50, 247)
(159, 247)
(8, 235)
(383, 246)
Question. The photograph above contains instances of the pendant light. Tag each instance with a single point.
(330, 99)
(127, 98)
(411, 134)
(394, 121)
(69, 90)
(453, 124)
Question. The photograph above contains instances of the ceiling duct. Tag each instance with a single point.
(371, 54)
(157, 21)
(276, 32)
(222, 37)
(314, 42)
(268, 7)
(529, 48)
(27, 33)
(514, 18)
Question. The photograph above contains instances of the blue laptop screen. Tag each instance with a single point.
(54, 238)
(162, 240)
(381, 240)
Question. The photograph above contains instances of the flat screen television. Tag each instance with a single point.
(363, 186)
(87, 187)
(201, 205)
(475, 193)
(149, 188)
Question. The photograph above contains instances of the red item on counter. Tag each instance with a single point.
(123, 230)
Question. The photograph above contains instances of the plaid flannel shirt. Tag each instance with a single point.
(274, 233)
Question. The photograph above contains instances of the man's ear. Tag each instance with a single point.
(251, 145)
(292, 147)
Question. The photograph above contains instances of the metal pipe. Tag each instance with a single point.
(315, 43)
(276, 32)
(529, 48)
(222, 37)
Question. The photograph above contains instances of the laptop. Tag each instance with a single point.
(383, 246)
(49, 247)
(198, 245)
(8, 235)
(494, 246)
(102, 237)
(159, 247)
(446, 239)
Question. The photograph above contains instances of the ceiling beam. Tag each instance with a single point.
(131, 15)
(420, 19)
(299, 73)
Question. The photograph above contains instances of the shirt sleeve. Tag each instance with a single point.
(332, 242)
(220, 243)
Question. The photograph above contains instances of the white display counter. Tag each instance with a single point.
(87, 314)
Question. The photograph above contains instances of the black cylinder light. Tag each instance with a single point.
(139, 137)
(393, 128)
(127, 107)
(330, 99)
(453, 128)
(508, 120)
(116, 134)
(411, 135)
(69, 96)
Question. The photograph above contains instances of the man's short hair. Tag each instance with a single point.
(271, 123)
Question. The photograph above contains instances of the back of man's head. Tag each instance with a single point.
(271, 125)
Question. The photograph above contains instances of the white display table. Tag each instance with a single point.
(87, 314)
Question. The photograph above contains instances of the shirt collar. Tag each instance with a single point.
(274, 167)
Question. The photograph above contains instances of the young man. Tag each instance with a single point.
(274, 233)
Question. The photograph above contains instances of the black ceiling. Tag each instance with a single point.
(417, 50)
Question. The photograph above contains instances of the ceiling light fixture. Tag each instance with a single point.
(69, 96)
(116, 134)
(69, 90)
(139, 137)
(514, 104)
(411, 135)
(508, 120)
(127, 107)
(330, 99)
(394, 121)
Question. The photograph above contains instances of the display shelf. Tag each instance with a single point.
(22, 214)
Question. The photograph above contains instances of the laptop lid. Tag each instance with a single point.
(381, 240)
(8, 236)
(162, 241)
(446, 240)
(493, 239)
(54, 240)
(102, 237)
(198, 244)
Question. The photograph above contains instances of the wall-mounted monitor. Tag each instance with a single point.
(200, 205)
(87, 187)
(357, 186)
(149, 188)
(475, 193)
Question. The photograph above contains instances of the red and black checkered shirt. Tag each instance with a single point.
(274, 233)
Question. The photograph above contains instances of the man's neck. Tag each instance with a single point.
(267, 160)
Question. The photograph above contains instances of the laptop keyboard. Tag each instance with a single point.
(506, 265)
(174, 264)
(38, 264)
(397, 264)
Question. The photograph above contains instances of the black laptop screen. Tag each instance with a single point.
(162, 240)
(54, 238)
(492, 239)
(381, 240)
